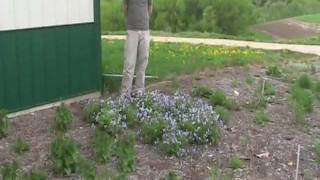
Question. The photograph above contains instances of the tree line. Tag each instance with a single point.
(220, 16)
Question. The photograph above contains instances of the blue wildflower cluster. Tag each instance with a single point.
(171, 121)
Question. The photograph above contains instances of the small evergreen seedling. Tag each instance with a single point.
(9, 171)
(274, 71)
(87, 169)
(235, 162)
(103, 145)
(305, 82)
(262, 118)
(224, 114)
(65, 155)
(4, 124)
(126, 152)
(91, 111)
(21, 146)
(63, 120)
(317, 152)
(36, 175)
(202, 91)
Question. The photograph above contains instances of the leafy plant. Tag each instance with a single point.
(302, 102)
(219, 98)
(65, 155)
(235, 162)
(63, 119)
(152, 131)
(131, 115)
(268, 89)
(317, 152)
(36, 175)
(202, 91)
(10, 171)
(126, 153)
(21, 146)
(262, 118)
(172, 176)
(305, 82)
(274, 71)
(4, 124)
(106, 119)
(87, 169)
(103, 145)
(91, 111)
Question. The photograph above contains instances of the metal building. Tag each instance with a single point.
(49, 51)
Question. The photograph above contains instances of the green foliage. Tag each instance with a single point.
(172, 176)
(131, 115)
(36, 175)
(174, 149)
(268, 89)
(91, 111)
(317, 152)
(219, 98)
(224, 114)
(317, 88)
(262, 118)
(21, 146)
(305, 82)
(274, 71)
(302, 102)
(219, 174)
(126, 152)
(152, 131)
(103, 145)
(235, 162)
(4, 124)
(105, 120)
(63, 119)
(65, 155)
(202, 91)
(10, 171)
(87, 169)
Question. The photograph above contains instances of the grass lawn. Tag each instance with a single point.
(168, 60)
(313, 18)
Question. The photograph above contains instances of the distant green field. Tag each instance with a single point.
(313, 18)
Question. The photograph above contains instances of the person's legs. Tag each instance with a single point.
(142, 61)
(130, 57)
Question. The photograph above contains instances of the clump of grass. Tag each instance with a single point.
(317, 88)
(219, 98)
(10, 171)
(172, 176)
(305, 82)
(63, 119)
(152, 132)
(87, 169)
(21, 146)
(126, 153)
(302, 102)
(65, 155)
(103, 145)
(202, 91)
(4, 124)
(224, 114)
(274, 71)
(268, 89)
(36, 175)
(317, 152)
(262, 118)
(235, 162)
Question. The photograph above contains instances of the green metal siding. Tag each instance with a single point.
(43, 65)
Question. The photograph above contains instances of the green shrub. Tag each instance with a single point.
(202, 91)
(172, 176)
(4, 124)
(103, 145)
(63, 119)
(302, 102)
(219, 98)
(317, 88)
(126, 153)
(175, 149)
(152, 132)
(36, 175)
(131, 115)
(262, 118)
(224, 114)
(105, 119)
(268, 89)
(10, 171)
(91, 111)
(235, 162)
(305, 82)
(274, 71)
(65, 155)
(317, 152)
(21, 146)
(87, 169)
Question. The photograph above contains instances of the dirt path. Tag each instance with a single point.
(307, 49)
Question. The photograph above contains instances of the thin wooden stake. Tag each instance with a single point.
(298, 161)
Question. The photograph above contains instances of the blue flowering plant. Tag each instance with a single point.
(173, 122)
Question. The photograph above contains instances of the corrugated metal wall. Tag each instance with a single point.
(39, 66)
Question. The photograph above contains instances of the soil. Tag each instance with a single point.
(277, 142)
(289, 29)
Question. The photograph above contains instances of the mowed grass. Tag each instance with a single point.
(171, 59)
(312, 18)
